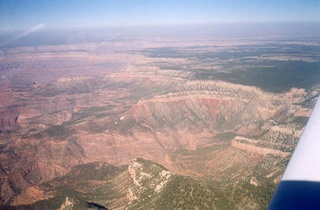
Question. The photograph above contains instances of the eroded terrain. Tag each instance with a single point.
(163, 124)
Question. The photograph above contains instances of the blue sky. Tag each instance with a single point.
(29, 14)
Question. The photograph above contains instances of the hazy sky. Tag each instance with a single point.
(35, 14)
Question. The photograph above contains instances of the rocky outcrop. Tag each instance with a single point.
(8, 118)
(27, 164)
(62, 130)
(211, 106)
(148, 110)
(259, 150)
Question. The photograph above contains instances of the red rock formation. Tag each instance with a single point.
(8, 118)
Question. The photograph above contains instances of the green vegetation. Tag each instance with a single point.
(242, 64)
(56, 203)
(249, 196)
(300, 120)
(90, 185)
(273, 76)
(187, 193)
(58, 132)
(227, 136)
(92, 112)
(100, 184)
(70, 86)
(87, 182)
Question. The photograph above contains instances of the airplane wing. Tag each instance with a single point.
(300, 185)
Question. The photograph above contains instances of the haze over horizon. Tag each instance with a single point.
(34, 15)
(145, 104)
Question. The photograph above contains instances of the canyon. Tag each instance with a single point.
(123, 125)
